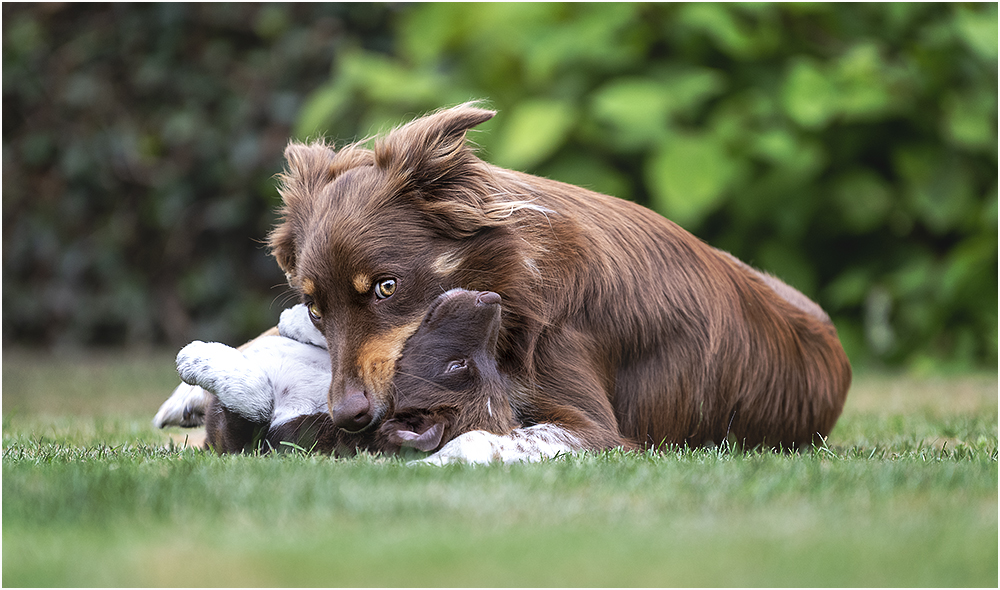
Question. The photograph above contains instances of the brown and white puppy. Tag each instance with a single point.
(447, 381)
(272, 380)
(619, 327)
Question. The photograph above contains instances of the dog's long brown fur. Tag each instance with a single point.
(618, 325)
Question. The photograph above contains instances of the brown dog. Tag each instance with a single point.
(619, 327)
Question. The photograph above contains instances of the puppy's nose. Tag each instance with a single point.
(354, 413)
(487, 298)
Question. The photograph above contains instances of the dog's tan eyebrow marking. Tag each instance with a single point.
(446, 263)
(362, 283)
(308, 287)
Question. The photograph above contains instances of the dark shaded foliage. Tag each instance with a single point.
(139, 145)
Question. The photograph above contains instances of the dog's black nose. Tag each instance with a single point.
(354, 413)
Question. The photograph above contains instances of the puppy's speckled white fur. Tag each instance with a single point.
(272, 381)
(185, 407)
(521, 445)
(295, 324)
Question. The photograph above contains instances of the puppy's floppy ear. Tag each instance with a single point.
(307, 169)
(427, 440)
(431, 151)
(421, 429)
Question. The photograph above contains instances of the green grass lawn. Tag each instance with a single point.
(903, 494)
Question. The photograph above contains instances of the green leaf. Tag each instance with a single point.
(719, 23)
(635, 108)
(808, 96)
(792, 155)
(978, 28)
(865, 199)
(425, 34)
(861, 85)
(592, 37)
(970, 272)
(321, 110)
(639, 109)
(862, 81)
(970, 119)
(385, 80)
(688, 177)
(534, 130)
(689, 87)
(938, 186)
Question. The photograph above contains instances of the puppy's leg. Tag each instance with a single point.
(188, 404)
(240, 385)
(228, 432)
(185, 407)
(521, 445)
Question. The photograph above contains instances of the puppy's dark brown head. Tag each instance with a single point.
(447, 381)
(369, 238)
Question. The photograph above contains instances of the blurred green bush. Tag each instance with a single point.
(850, 149)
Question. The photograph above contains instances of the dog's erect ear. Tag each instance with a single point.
(307, 169)
(428, 159)
(431, 150)
(281, 240)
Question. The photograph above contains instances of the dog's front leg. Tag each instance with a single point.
(530, 444)
(228, 432)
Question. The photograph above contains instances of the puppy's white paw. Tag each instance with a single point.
(241, 386)
(185, 407)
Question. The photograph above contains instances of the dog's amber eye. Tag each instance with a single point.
(314, 312)
(385, 288)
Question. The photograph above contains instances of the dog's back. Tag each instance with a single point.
(690, 344)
